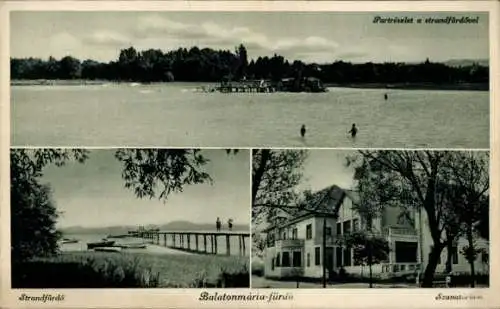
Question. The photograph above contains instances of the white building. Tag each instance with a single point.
(294, 247)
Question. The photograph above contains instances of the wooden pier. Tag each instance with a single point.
(197, 241)
(241, 86)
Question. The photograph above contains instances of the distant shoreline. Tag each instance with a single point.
(415, 86)
(404, 86)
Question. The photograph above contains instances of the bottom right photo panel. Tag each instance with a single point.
(327, 218)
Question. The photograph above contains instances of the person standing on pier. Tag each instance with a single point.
(218, 224)
(230, 224)
(303, 131)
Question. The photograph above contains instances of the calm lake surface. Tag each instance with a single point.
(178, 116)
(153, 247)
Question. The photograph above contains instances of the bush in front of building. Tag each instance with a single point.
(257, 267)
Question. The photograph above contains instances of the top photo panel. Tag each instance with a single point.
(250, 79)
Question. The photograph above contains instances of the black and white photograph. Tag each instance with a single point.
(130, 218)
(370, 219)
(250, 79)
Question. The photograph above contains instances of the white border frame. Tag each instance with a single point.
(307, 298)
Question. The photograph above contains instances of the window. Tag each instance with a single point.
(369, 224)
(294, 233)
(272, 264)
(309, 232)
(347, 227)
(347, 257)
(355, 225)
(308, 259)
(297, 259)
(286, 259)
(284, 235)
(317, 257)
(454, 255)
(339, 228)
(328, 231)
(278, 260)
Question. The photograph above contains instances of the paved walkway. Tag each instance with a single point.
(260, 282)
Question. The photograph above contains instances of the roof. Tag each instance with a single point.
(323, 203)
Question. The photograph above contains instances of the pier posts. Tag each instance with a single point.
(182, 240)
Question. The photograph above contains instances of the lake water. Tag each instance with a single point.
(176, 115)
(153, 247)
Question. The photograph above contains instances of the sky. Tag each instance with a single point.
(93, 194)
(326, 167)
(309, 36)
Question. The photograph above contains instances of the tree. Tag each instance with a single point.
(368, 249)
(275, 175)
(158, 172)
(470, 177)
(33, 213)
(413, 179)
(69, 68)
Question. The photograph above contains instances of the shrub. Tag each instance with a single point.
(257, 267)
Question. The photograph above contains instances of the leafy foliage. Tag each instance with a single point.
(432, 181)
(33, 213)
(367, 249)
(147, 171)
(275, 175)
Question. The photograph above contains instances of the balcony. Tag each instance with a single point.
(406, 231)
(283, 243)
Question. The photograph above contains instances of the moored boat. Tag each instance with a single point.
(133, 246)
(108, 249)
(104, 243)
(69, 241)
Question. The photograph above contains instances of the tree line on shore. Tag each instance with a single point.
(209, 65)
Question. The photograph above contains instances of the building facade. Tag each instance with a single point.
(295, 247)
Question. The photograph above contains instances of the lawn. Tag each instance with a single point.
(106, 269)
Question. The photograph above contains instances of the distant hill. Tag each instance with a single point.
(171, 226)
(467, 62)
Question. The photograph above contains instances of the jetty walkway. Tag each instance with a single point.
(202, 242)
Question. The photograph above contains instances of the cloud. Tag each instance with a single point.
(212, 34)
(107, 38)
(64, 43)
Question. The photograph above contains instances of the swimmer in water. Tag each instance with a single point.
(353, 130)
(303, 130)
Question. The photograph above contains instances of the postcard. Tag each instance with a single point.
(174, 154)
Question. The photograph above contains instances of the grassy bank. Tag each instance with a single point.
(129, 270)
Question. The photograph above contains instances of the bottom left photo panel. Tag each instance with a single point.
(130, 218)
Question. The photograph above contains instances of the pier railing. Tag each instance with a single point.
(204, 242)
